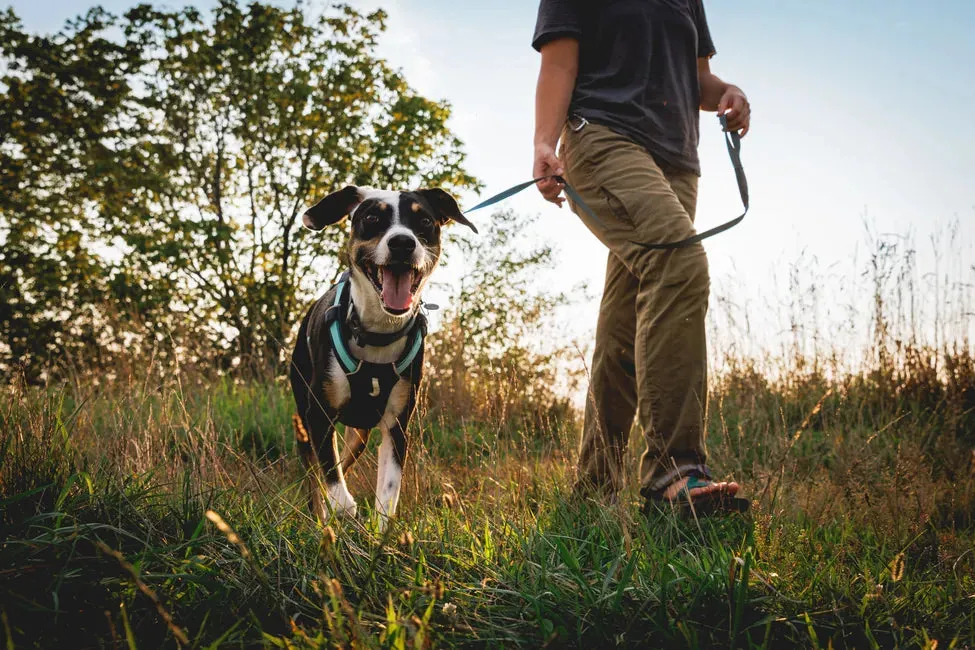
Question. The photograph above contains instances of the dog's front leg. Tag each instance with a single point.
(339, 498)
(313, 471)
(392, 451)
(326, 450)
(392, 455)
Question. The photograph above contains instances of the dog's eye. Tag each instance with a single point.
(426, 222)
(371, 218)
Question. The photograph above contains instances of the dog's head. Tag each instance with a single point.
(395, 242)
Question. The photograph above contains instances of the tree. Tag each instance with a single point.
(67, 187)
(182, 192)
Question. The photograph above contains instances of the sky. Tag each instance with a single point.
(862, 113)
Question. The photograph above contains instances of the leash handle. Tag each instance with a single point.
(733, 144)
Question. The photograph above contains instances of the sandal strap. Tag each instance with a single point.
(695, 482)
(665, 480)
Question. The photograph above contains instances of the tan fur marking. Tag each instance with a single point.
(415, 207)
(383, 205)
(300, 434)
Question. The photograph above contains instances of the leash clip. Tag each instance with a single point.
(582, 123)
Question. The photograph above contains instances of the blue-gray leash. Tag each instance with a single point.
(732, 141)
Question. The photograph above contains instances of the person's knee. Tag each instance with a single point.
(696, 271)
(684, 270)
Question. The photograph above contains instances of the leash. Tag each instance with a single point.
(732, 142)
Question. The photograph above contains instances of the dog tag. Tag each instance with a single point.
(431, 306)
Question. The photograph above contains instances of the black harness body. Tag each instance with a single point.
(371, 384)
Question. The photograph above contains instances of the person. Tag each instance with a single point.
(621, 85)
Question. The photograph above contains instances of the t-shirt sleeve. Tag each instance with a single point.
(556, 19)
(705, 46)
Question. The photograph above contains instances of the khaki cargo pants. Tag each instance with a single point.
(650, 358)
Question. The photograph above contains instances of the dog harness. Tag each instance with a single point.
(371, 383)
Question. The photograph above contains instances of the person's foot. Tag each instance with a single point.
(700, 495)
(729, 488)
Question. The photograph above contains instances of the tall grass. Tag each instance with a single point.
(159, 503)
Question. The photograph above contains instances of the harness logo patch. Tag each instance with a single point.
(375, 388)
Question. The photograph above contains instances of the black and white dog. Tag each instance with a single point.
(359, 355)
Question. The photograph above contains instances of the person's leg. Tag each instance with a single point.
(611, 400)
(660, 471)
(637, 203)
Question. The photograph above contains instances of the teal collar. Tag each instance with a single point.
(340, 334)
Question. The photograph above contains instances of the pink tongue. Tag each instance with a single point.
(396, 289)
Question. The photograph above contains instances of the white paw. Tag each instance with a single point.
(340, 500)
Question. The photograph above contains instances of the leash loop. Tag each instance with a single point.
(732, 143)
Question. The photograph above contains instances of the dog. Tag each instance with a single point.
(358, 359)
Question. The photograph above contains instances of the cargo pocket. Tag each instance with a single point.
(616, 206)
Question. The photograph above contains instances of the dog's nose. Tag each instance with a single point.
(401, 245)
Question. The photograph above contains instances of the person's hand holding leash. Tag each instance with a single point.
(734, 105)
(547, 163)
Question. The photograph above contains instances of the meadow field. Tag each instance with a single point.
(154, 504)
(154, 166)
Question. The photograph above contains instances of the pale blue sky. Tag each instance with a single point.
(859, 108)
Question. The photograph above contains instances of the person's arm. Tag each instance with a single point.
(725, 98)
(556, 80)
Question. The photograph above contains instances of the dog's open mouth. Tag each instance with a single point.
(396, 284)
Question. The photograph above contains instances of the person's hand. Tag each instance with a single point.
(547, 164)
(734, 105)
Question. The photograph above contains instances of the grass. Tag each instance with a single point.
(144, 506)
(858, 538)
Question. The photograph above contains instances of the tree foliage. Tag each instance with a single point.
(501, 356)
(155, 166)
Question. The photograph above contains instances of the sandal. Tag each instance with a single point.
(702, 505)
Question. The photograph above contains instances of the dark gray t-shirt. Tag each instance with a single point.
(637, 68)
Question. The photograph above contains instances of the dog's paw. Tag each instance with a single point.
(341, 501)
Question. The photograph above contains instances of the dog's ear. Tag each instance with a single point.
(333, 208)
(446, 207)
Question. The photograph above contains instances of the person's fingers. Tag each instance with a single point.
(552, 194)
(550, 190)
(724, 104)
(547, 165)
(746, 123)
(548, 187)
(738, 119)
(552, 165)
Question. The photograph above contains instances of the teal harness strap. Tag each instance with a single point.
(351, 365)
(346, 360)
(411, 351)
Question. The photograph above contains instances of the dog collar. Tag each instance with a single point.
(364, 337)
(340, 331)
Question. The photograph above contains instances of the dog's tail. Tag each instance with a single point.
(301, 434)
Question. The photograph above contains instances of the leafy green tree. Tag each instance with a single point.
(154, 181)
(69, 186)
